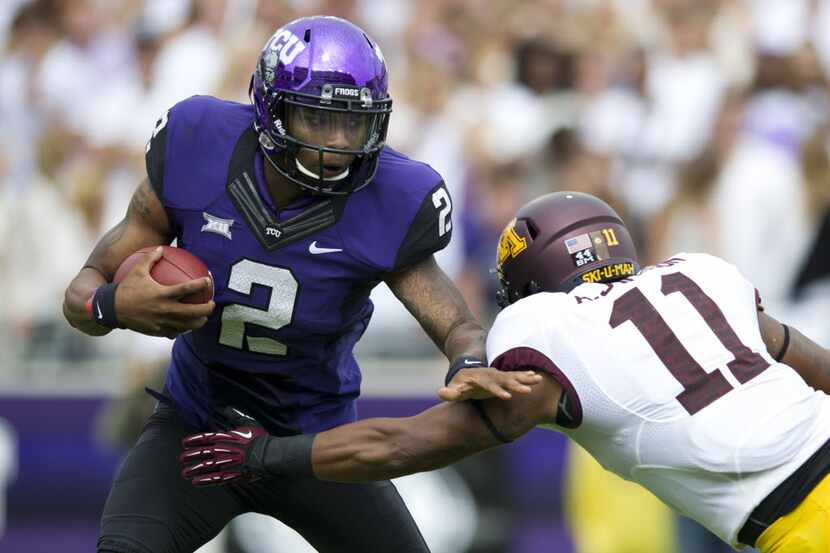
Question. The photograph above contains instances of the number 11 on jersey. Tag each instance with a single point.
(699, 387)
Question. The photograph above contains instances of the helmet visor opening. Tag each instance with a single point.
(343, 130)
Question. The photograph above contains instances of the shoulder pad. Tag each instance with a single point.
(190, 150)
(516, 325)
(402, 217)
(710, 265)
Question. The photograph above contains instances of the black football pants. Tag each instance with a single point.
(152, 509)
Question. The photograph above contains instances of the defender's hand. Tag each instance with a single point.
(144, 305)
(484, 382)
(212, 458)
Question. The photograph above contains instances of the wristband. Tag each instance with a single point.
(289, 455)
(488, 422)
(467, 362)
(786, 345)
(101, 306)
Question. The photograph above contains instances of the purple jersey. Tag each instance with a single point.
(291, 285)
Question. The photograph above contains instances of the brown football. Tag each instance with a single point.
(175, 266)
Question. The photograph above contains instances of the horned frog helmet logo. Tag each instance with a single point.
(510, 245)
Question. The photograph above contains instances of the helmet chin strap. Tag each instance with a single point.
(307, 172)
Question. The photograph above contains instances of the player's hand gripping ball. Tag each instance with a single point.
(174, 267)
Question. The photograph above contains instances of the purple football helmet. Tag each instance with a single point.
(324, 74)
(559, 241)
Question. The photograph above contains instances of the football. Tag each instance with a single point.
(175, 266)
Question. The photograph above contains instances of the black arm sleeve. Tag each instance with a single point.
(431, 229)
(154, 155)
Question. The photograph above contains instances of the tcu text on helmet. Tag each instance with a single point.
(287, 45)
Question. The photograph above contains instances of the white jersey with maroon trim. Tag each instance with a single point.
(667, 382)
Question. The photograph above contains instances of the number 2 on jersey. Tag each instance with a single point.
(699, 387)
(283, 287)
(441, 200)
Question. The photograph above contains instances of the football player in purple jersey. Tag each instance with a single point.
(672, 376)
(299, 209)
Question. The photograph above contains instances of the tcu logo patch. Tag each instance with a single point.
(285, 46)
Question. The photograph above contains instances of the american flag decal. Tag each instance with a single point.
(578, 243)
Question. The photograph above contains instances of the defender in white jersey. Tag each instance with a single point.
(668, 383)
(670, 376)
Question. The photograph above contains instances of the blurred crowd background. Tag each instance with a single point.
(703, 122)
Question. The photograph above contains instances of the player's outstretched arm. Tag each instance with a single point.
(377, 449)
(432, 298)
(373, 449)
(791, 347)
(145, 224)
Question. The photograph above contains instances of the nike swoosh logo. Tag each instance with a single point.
(466, 362)
(314, 250)
(247, 435)
(100, 313)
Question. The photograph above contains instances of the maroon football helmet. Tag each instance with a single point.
(559, 241)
